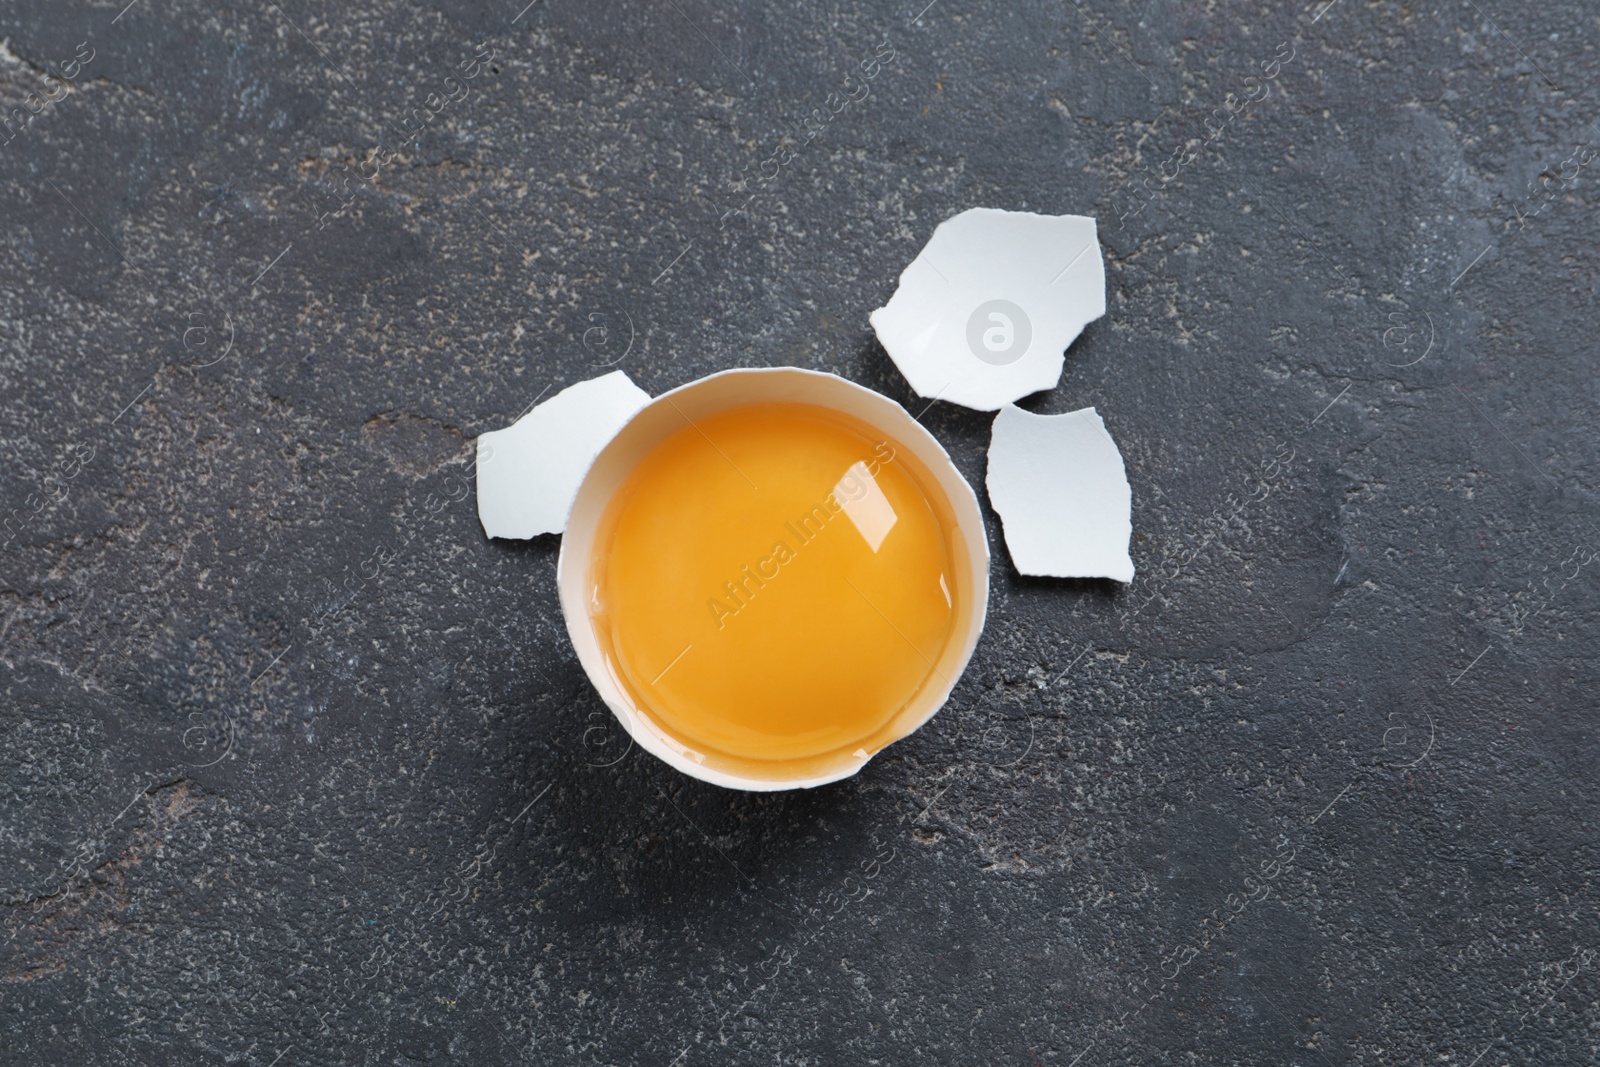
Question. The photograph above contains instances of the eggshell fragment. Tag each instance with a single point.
(1062, 493)
(528, 473)
(983, 315)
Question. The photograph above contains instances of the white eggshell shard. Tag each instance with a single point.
(529, 473)
(983, 315)
(1062, 493)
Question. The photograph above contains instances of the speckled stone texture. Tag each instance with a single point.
(300, 769)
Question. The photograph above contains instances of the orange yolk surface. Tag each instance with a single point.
(774, 583)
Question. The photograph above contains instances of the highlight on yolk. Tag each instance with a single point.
(775, 582)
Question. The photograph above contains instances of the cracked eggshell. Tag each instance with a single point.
(528, 473)
(1061, 490)
(670, 412)
(983, 315)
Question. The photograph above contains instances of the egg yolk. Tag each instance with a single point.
(775, 583)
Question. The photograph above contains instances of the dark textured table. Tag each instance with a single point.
(300, 768)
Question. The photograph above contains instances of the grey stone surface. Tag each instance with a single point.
(299, 768)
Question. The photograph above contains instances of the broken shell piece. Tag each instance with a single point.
(528, 473)
(985, 312)
(1062, 493)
